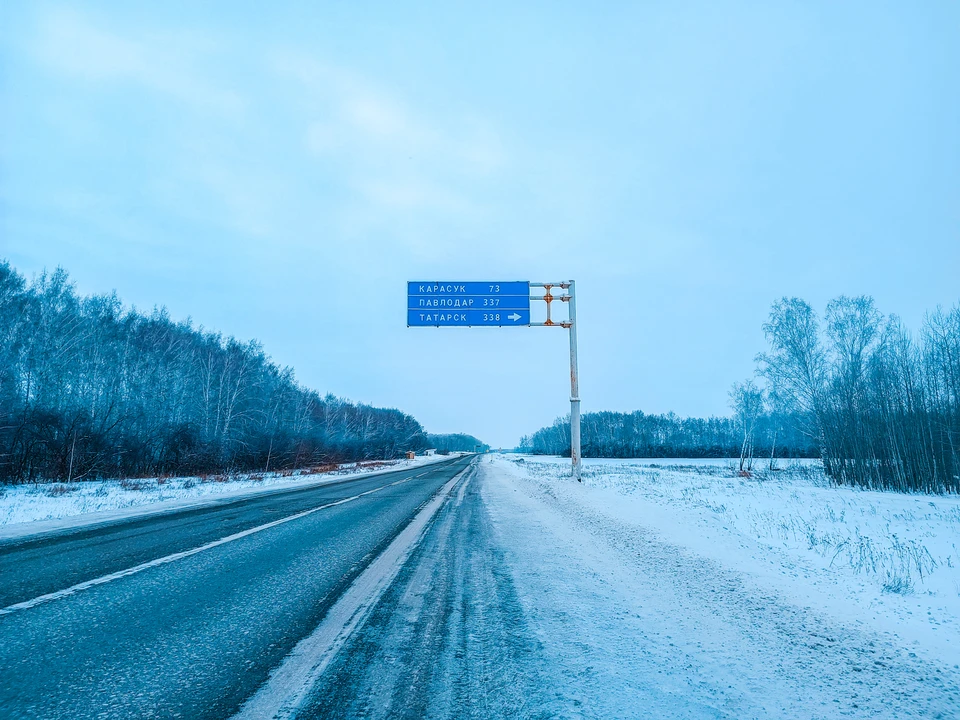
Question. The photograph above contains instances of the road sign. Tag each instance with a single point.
(468, 302)
(467, 318)
(435, 289)
(464, 304)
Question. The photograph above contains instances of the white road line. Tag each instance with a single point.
(288, 686)
(49, 597)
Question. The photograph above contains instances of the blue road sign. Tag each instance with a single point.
(466, 318)
(453, 304)
(468, 302)
(453, 289)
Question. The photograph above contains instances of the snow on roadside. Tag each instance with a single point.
(650, 601)
(887, 559)
(23, 505)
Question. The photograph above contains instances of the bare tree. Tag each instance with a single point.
(746, 401)
(884, 408)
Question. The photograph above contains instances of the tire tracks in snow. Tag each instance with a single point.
(447, 640)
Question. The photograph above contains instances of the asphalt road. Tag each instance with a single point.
(196, 636)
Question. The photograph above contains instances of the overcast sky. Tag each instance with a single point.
(279, 171)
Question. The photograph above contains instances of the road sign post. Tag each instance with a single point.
(500, 304)
(576, 464)
(575, 457)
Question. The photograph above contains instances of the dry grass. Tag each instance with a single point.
(134, 485)
(59, 490)
(320, 469)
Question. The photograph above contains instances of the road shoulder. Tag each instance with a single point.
(628, 621)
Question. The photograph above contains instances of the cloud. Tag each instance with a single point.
(75, 45)
(411, 193)
(377, 117)
(248, 151)
(395, 157)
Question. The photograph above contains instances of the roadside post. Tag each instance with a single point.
(501, 304)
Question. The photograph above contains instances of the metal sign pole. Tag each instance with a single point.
(574, 388)
(571, 324)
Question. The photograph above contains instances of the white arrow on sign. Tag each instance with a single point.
(514, 317)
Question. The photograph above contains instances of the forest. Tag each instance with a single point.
(878, 405)
(630, 435)
(456, 442)
(89, 389)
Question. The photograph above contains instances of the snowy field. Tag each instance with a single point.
(23, 505)
(907, 544)
(769, 597)
(886, 558)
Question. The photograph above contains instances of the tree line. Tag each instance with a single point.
(455, 442)
(855, 388)
(90, 389)
(636, 434)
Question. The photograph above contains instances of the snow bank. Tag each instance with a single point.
(888, 559)
(22, 506)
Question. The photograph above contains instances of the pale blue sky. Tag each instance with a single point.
(279, 171)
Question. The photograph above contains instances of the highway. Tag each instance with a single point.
(185, 614)
(469, 589)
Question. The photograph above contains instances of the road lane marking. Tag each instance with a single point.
(87, 584)
(289, 685)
